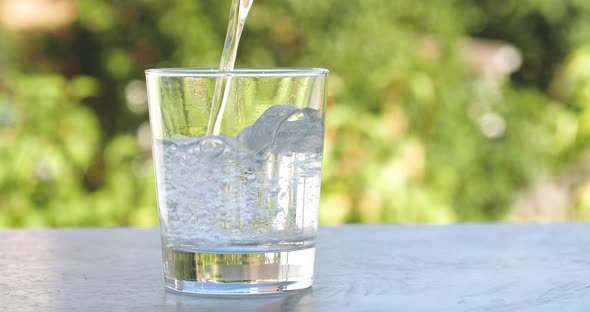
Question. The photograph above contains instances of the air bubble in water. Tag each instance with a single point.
(211, 147)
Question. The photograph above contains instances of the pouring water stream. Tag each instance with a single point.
(237, 18)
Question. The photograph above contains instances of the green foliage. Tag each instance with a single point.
(405, 138)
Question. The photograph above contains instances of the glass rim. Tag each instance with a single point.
(238, 72)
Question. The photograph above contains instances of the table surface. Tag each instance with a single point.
(470, 267)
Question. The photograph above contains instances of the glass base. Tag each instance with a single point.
(238, 273)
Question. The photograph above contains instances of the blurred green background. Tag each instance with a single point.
(439, 111)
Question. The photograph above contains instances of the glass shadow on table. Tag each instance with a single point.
(300, 300)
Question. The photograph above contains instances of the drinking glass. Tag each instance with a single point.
(238, 180)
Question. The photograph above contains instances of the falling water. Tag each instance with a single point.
(237, 18)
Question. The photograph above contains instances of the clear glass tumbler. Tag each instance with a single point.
(238, 183)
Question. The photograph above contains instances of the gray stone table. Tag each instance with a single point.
(488, 267)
